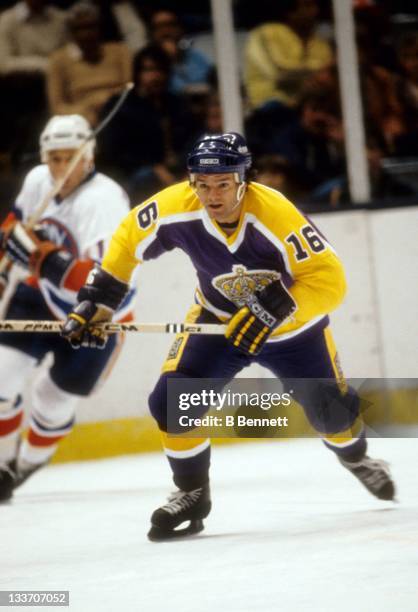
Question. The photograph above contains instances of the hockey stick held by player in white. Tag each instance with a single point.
(11, 325)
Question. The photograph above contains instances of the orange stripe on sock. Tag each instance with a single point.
(9, 425)
(36, 440)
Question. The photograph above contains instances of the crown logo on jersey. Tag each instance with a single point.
(239, 285)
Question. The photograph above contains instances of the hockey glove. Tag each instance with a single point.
(79, 327)
(251, 325)
(98, 299)
(28, 248)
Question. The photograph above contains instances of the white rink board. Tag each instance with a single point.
(354, 323)
(395, 249)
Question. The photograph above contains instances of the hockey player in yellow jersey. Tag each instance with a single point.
(265, 270)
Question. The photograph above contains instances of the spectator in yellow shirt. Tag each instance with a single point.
(279, 57)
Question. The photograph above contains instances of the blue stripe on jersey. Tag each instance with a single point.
(60, 303)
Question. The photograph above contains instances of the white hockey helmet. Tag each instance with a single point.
(66, 132)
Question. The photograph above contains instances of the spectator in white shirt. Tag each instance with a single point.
(29, 32)
(129, 23)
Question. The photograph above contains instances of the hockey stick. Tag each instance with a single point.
(5, 263)
(11, 325)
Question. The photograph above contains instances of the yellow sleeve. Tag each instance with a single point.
(140, 229)
(120, 259)
(319, 287)
(319, 279)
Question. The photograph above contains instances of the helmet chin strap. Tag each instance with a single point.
(240, 191)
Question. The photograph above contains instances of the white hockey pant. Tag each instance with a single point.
(52, 410)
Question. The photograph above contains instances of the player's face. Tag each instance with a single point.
(218, 194)
(58, 162)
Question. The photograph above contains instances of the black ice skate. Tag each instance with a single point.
(7, 482)
(13, 474)
(374, 474)
(23, 470)
(182, 506)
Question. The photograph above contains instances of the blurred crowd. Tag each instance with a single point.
(63, 57)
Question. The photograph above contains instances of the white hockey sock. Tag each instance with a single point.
(31, 455)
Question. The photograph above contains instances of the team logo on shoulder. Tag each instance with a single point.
(241, 284)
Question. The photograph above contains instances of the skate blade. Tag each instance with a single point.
(156, 534)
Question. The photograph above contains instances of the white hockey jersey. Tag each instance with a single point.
(82, 223)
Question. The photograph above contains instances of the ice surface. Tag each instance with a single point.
(290, 530)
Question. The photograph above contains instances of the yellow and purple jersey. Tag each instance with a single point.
(273, 240)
